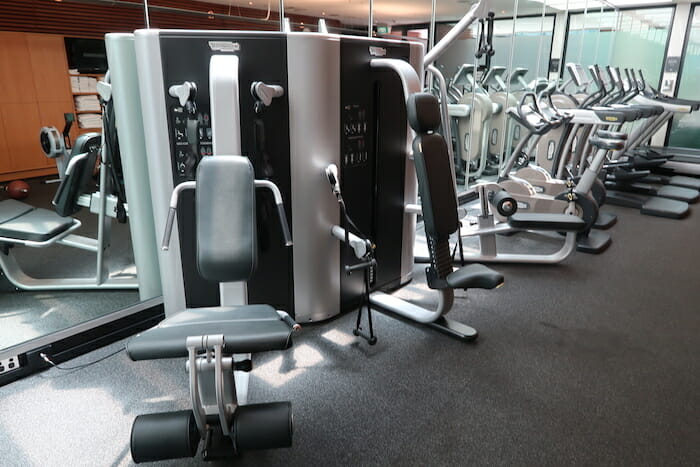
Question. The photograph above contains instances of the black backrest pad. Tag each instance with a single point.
(423, 112)
(225, 206)
(90, 143)
(79, 180)
(435, 185)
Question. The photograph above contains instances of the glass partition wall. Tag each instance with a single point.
(685, 131)
(629, 38)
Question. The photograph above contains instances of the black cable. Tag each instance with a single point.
(79, 367)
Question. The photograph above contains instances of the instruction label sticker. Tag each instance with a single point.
(224, 46)
(377, 51)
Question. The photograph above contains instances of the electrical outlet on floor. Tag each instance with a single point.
(9, 364)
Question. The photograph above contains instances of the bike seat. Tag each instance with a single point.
(474, 276)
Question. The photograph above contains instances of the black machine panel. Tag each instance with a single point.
(373, 157)
(264, 140)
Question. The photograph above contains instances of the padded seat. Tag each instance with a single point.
(246, 329)
(10, 209)
(23, 222)
(474, 276)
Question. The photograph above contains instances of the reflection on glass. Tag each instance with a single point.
(685, 130)
(522, 48)
(340, 17)
(260, 15)
(57, 255)
(390, 17)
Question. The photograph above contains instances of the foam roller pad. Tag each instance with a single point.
(160, 436)
(263, 426)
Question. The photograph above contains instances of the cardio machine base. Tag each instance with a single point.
(594, 242)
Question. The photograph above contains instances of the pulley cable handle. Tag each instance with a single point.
(482, 33)
(489, 39)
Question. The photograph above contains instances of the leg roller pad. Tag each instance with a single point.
(160, 436)
(263, 426)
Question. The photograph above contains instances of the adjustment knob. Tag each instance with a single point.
(266, 92)
(184, 92)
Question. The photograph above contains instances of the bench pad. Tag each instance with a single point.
(474, 276)
(23, 222)
(246, 329)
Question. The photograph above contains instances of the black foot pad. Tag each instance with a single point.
(594, 243)
(626, 200)
(664, 207)
(605, 220)
(687, 182)
(679, 193)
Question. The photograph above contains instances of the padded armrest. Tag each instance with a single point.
(535, 221)
(474, 276)
(246, 329)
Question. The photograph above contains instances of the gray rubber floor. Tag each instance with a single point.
(27, 315)
(591, 362)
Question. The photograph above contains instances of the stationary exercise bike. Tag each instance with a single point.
(511, 194)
